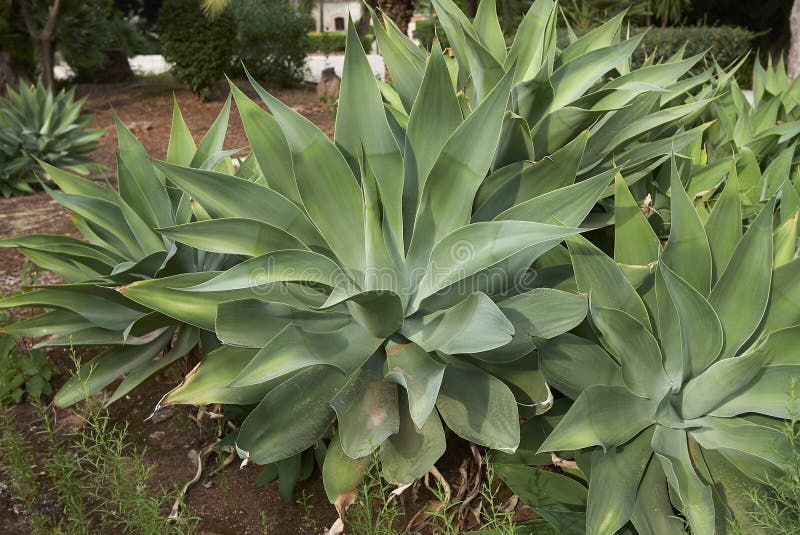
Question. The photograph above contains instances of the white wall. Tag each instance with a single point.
(332, 10)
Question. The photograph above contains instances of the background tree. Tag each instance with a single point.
(43, 32)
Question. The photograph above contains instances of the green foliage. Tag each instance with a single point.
(374, 511)
(99, 480)
(776, 508)
(22, 372)
(726, 44)
(694, 373)
(271, 39)
(373, 291)
(587, 14)
(86, 30)
(329, 42)
(200, 49)
(427, 29)
(17, 461)
(36, 125)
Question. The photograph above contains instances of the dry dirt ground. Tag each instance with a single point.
(231, 505)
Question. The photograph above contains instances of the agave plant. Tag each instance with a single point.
(36, 125)
(634, 118)
(385, 305)
(120, 246)
(681, 385)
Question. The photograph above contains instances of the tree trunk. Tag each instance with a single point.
(7, 74)
(794, 48)
(400, 11)
(48, 60)
(45, 38)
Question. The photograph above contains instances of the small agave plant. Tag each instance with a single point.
(36, 124)
(680, 387)
(121, 246)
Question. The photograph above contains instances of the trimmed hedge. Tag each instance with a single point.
(330, 42)
(725, 43)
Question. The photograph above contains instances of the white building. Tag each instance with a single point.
(334, 14)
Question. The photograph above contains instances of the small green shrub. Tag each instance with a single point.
(329, 42)
(271, 39)
(37, 125)
(22, 372)
(427, 29)
(200, 49)
(99, 480)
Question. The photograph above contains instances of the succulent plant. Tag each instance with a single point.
(378, 304)
(681, 385)
(36, 124)
(120, 246)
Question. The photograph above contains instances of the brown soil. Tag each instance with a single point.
(231, 504)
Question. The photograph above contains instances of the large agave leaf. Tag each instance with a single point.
(253, 322)
(278, 266)
(447, 196)
(419, 373)
(409, 454)
(106, 367)
(750, 265)
(637, 351)
(700, 330)
(293, 349)
(329, 190)
(435, 115)
(472, 326)
(361, 127)
(598, 275)
(208, 381)
(226, 196)
(269, 145)
(573, 364)
(687, 252)
(270, 433)
(367, 409)
(478, 246)
(233, 235)
(558, 499)
(622, 469)
(605, 416)
(478, 407)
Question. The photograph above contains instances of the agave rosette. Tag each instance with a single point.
(758, 137)
(121, 245)
(36, 123)
(384, 304)
(682, 387)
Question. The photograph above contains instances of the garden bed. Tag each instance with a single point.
(232, 504)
